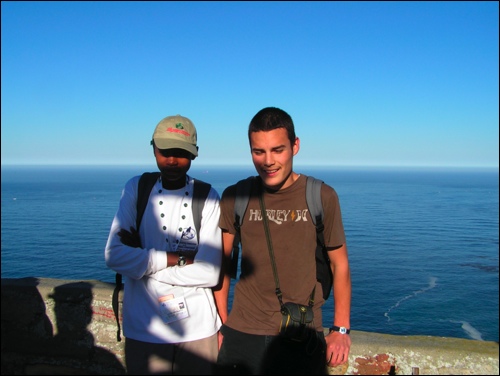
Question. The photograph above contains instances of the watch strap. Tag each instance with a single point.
(340, 329)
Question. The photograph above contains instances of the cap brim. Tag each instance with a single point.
(175, 144)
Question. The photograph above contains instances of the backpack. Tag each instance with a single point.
(146, 183)
(315, 206)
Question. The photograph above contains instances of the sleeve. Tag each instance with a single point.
(129, 261)
(205, 270)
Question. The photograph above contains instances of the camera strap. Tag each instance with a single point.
(279, 294)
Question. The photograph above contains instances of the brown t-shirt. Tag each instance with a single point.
(255, 308)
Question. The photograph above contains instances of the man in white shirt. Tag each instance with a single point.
(170, 319)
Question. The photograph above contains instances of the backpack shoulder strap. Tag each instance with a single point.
(243, 188)
(114, 302)
(315, 205)
(146, 183)
(313, 198)
(200, 194)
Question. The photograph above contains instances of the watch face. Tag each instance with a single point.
(340, 329)
(181, 261)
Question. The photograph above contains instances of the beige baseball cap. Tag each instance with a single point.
(176, 132)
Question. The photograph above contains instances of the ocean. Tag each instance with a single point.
(423, 243)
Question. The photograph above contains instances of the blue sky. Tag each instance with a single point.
(366, 83)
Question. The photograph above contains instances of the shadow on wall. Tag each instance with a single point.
(27, 330)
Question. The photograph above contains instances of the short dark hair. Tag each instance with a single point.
(271, 118)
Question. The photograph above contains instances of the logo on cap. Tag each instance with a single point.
(178, 129)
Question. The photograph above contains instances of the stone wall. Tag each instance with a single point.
(66, 327)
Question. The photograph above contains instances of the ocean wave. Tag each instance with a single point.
(469, 330)
(432, 284)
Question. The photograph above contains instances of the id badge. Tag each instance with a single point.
(172, 308)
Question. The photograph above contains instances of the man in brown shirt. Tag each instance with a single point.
(250, 342)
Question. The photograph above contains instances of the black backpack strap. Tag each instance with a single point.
(200, 194)
(323, 270)
(243, 188)
(313, 198)
(116, 293)
(146, 183)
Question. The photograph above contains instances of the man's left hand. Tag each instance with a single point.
(131, 238)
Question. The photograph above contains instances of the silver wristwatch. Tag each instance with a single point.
(340, 329)
(181, 261)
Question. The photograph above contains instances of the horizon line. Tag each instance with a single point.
(235, 165)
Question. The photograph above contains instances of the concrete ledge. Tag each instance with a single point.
(377, 354)
(56, 327)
